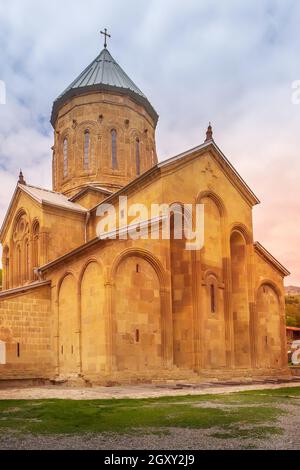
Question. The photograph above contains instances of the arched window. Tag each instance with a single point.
(212, 298)
(137, 157)
(19, 265)
(86, 150)
(114, 160)
(26, 260)
(35, 244)
(65, 157)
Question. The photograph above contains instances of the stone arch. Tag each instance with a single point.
(141, 320)
(68, 325)
(93, 128)
(214, 248)
(147, 255)
(212, 295)
(269, 325)
(20, 233)
(92, 318)
(242, 230)
(239, 298)
(216, 198)
(22, 212)
(61, 279)
(62, 172)
(35, 228)
(113, 124)
(137, 164)
(116, 162)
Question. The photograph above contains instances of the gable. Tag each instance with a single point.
(220, 160)
(21, 203)
(33, 197)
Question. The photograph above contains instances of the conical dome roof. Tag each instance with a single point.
(103, 74)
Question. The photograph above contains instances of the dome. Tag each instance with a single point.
(103, 74)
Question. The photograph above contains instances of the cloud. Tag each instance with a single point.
(230, 62)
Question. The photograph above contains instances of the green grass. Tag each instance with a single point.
(243, 414)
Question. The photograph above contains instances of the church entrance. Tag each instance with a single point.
(137, 316)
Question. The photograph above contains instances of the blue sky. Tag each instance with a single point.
(231, 62)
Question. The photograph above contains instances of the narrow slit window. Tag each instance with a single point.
(137, 157)
(18, 349)
(65, 151)
(137, 268)
(137, 336)
(86, 156)
(212, 298)
(114, 159)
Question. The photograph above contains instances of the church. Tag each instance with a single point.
(81, 309)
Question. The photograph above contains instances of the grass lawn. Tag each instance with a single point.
(242, 414)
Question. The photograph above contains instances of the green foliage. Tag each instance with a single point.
(292, 308)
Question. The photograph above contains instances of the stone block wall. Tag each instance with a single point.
(25, 330)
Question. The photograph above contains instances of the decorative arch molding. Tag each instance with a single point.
(134, 134)
(61, 280)
(215, 198)
(243, 231)
(67, 133)
(209, 273)
(274, 286)
(84, 268)
(186, 213)
(282, 331)
(20, 213)
(92, 128)
(35, 225)
(113, 125)
(87, 124)
(147, 256)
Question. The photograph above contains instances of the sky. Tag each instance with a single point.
(229, 62)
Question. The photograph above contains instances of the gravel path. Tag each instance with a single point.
(129, 391)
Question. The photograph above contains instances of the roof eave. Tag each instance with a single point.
(60, 101)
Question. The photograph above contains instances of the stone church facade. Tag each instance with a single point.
(76, 307)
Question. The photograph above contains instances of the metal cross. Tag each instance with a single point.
(106, 35)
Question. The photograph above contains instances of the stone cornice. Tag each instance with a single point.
(20, 290)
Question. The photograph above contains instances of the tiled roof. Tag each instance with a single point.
(51, 197)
